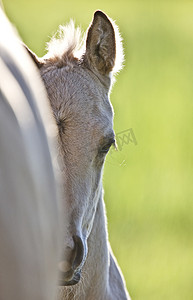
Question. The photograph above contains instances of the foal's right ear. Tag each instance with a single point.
(100, 44)
(35, 58)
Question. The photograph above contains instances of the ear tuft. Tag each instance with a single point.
(35, 58)
(101, 44)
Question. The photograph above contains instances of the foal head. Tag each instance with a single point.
(78, 89)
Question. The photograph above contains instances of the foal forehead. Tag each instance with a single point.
(78, 91)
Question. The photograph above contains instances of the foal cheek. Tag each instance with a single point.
(88, 223)
(90, 211)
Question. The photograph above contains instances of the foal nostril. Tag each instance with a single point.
(73, 257)
(70, 267)
(79, 252)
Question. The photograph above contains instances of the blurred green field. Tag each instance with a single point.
(148, 187)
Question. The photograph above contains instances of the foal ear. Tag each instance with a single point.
(35, 58)
(100, 44)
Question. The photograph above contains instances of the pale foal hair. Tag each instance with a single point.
(78, 73)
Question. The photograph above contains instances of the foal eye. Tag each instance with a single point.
(106, 148)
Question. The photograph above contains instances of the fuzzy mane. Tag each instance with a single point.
(69, 43)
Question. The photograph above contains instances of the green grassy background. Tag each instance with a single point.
(148, 187)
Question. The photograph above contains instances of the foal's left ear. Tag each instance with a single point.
(35, 58)
(100, 44)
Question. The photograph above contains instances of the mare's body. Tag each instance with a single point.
(28, 207)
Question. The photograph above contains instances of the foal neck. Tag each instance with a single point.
(97, 264)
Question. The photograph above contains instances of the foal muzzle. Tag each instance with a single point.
(70, 267)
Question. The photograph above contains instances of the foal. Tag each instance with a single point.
(78, 86)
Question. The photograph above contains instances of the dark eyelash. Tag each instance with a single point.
(106, 148)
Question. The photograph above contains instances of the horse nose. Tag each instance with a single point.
(70, 266)
(79, 252)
